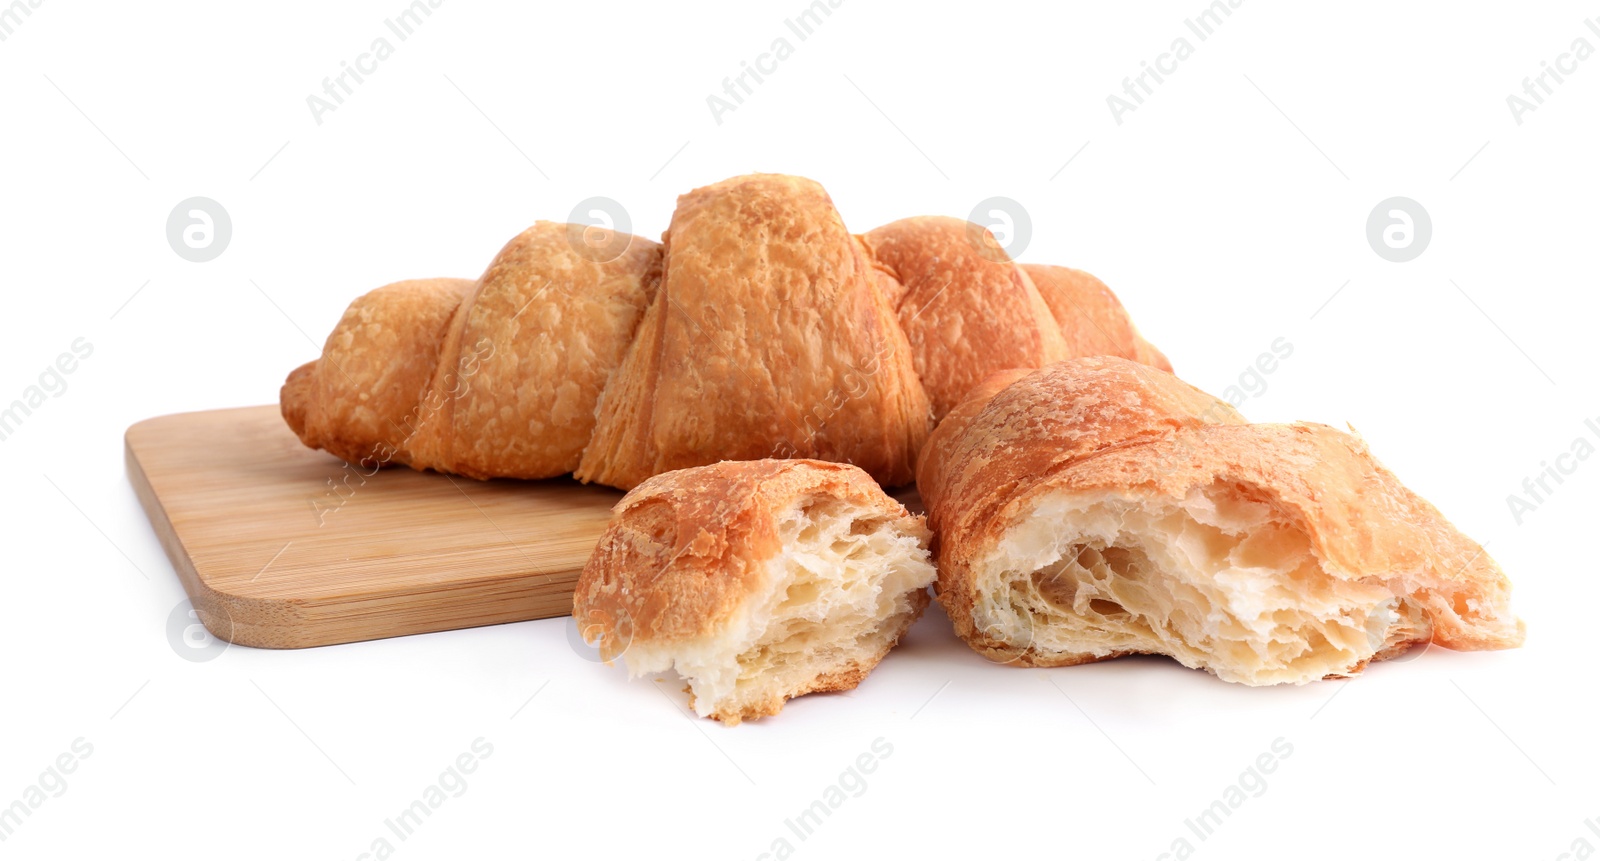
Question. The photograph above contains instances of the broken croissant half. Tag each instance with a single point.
(1099, 507)
(758, 581)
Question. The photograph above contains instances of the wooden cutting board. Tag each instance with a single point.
(283, 547)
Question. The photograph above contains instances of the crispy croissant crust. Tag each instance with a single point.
(494, 378)
(1092, 320)
(966, 308)
(1111, 439)
(758, 581)
(358, 401)
(769, 338)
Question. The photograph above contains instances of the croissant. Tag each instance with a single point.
(1099, 507)
(759, 327)
(758, 581)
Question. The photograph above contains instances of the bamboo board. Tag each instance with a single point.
(283, 547)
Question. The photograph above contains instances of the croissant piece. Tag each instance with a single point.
(1099, 507)
(758, 581)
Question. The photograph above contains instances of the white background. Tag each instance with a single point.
(1227, 211)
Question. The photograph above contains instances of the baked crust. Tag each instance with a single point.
(358, 401)
(528, 354)
(1092, 319)
(966, 308)
(1107, 428)
(1029, 425)
(934, 461)
(493, 378)
(688, 553)
(770, 338)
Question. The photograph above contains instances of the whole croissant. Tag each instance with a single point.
(759, 327)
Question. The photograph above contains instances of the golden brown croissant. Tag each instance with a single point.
(759, 328)
(1099, 507)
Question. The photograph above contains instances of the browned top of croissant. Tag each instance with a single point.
(759, 327)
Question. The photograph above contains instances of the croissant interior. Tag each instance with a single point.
(1217, 581)
(845, 585)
